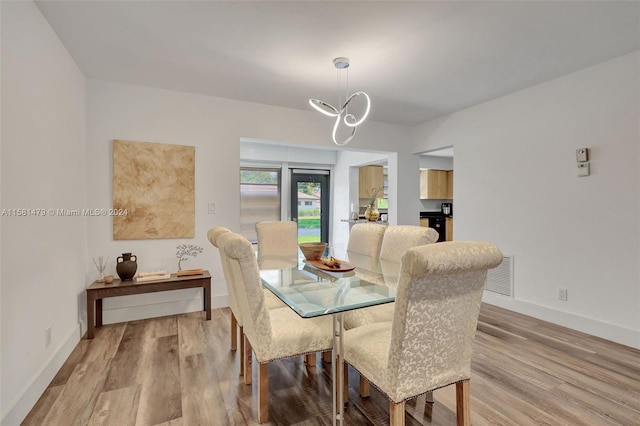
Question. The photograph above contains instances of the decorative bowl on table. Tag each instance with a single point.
(313, 251)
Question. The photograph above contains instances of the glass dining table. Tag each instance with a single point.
(311, 290)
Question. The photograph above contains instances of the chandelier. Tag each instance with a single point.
(342, 115)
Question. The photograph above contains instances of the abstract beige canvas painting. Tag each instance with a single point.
(155, 184)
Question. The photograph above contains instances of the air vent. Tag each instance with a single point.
(500, 279)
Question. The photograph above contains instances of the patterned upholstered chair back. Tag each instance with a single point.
(277, 239)
(270, 334)
(385, 269)
(428, 344)
(398, 239)
(366, 239)
(213, 235)
(436, 314)
(243, 266)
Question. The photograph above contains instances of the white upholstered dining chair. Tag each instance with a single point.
(278, 248)
(212, 235)
(236, 328)
(277, 238)
(396, 240)
(366, 239)
(428, 344)
(363, 249)
(271, 334)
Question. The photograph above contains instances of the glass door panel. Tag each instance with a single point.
(310, 204)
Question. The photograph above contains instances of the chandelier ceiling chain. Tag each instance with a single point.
(342, 115)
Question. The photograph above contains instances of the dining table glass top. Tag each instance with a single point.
(312, 292)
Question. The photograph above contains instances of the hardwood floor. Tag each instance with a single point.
(178, 370)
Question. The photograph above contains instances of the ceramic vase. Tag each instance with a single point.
(127, 266)
(371, 214)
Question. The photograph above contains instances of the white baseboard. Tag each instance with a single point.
(607, 331)
(18, 409)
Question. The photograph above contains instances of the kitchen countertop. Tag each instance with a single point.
(377, 222)
(434, 213)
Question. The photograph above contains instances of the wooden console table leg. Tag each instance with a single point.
(98, 312)
(90, 316)
(206, 293)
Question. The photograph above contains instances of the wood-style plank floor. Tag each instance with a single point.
(178, 370)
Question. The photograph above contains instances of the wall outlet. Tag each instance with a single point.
(562, 294)
(47, 336)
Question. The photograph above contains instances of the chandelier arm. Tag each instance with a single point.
(366, 112)
(324, 108)
(335, 131)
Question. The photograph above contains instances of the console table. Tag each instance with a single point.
(98, 291)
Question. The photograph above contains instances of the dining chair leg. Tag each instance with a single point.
(396, 413)
(364, 387)
(463, 409)
(242, 354)
(263, 392)
(429, 397)
(246, 355)
(345, 389)
(310, 359)
(326, 356)
(234, 332)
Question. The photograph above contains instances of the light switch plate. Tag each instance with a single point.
(582, 155)
(583, 169)
(211, 207)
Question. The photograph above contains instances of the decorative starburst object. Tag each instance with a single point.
(183, 251)
(101, 265)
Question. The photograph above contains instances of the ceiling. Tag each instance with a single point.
(417, 60)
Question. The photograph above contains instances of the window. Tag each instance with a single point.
(260, 198)
(383, 203)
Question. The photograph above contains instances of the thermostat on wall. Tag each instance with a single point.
(582, 155)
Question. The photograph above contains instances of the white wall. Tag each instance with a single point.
(516, 185)
(215, 127)
(43, 166)
(435, 162)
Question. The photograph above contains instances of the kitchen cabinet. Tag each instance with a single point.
(449, 229)
(424, 221)
(436, 184)
(370, 177)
